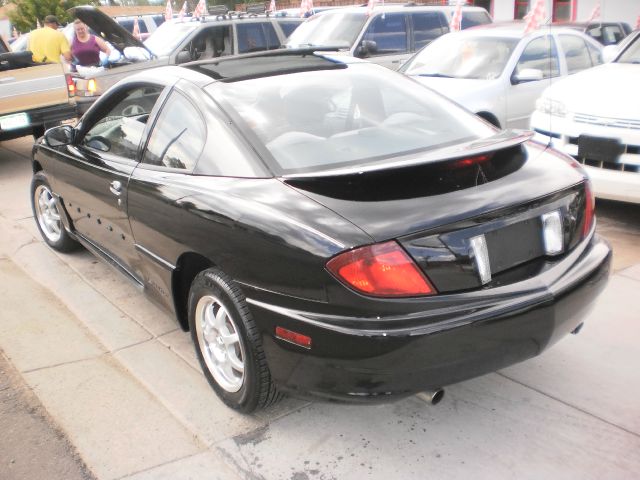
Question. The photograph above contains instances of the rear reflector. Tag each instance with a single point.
(381, 270)
(552, 233)
(293, 337)
(481, 257)
(589, 208)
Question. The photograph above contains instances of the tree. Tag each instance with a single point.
(26, 12)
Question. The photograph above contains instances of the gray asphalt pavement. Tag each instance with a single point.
(121, 382)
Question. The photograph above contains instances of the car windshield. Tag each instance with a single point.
(314, 121)
(333, 29)
(462, 56)
(631, 54)
(168, 36)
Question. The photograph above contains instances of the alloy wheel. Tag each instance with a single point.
(220, 343)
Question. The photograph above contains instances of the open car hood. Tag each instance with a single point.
(106, 27)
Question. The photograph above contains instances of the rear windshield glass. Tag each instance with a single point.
(313, 121)
(472, 19)
(169, 36)
(331, 29)
(462, 56)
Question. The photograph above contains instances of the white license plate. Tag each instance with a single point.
(15, 121)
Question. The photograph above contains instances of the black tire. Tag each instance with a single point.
(48, 215)
(217, 313)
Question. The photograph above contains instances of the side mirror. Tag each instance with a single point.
(183, 57)
(609, 53)
(59, 136)
(527, 75)
(366, 48)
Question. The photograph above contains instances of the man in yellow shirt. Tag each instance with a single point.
(47, 43)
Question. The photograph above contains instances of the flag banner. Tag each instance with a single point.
(456, 20)
(535, 17)
(595, 13)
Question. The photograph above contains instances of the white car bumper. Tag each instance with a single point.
(614, 178)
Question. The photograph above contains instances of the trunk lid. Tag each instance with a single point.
(434, 209)
(106, 27)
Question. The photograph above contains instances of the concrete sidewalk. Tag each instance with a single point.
(122, 381)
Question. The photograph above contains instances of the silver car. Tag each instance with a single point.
(498, 72)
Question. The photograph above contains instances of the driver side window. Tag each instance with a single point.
(540, 54)
(120, 130)
(210, 43)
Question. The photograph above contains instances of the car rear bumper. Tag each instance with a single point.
(41, 117)
(364, 364)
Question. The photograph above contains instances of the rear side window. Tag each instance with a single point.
(255, 37)
(288, 27)
(576, 53)
(596, 54)
(177, 137)
(427, 26)
(389, 32)
(541, 54)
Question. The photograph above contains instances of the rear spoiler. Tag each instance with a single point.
(502, 140)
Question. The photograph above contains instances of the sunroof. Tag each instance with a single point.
(266, 65)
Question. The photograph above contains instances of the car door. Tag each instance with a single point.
(539, 55)
(386, 40)
(158, 185)
(92, 177)
(577, 54)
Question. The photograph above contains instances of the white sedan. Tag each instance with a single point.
(594, 116)
(497, 72)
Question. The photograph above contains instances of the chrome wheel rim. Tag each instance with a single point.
(47, 213)
(220, 343)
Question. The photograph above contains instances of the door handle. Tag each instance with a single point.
(116, 188)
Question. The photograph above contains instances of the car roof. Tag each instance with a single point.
(270, 63)
(233, 17)
(514, 29)
(400, 7)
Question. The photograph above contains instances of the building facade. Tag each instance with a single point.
(564, 10)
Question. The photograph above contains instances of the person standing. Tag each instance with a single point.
(47, 44)
(86, 47)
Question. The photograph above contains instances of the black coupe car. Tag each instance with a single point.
(325, 226)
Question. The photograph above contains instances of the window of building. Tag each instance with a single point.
(520, 9)
(562, 10)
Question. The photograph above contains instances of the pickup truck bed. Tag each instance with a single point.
(32, 96)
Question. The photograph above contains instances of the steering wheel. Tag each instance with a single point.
(133, 109)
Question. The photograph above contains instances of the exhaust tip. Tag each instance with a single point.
(576, 330)
(433, 397)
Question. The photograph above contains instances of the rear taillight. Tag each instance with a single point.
(92, 86)
(381, 270)
(71, 86)
(589, 208)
